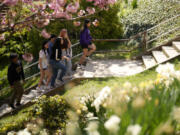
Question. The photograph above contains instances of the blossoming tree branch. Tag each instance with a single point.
(22, 14)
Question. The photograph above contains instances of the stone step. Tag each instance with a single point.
(170, 51)
(149, 61)
(159, 56)
(176, 45)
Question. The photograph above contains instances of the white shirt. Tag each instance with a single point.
(44, 58)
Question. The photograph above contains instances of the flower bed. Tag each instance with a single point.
(152, 107)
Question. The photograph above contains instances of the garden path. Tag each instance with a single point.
(110, 68)
(96, 68)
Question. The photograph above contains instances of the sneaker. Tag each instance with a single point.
(44, 81)
(52, 87)
(38, 88)
(81, 67)
(12, 106)
(18, 104)
(68, 77)
(47, 87)
(88, 59)
(59, 82)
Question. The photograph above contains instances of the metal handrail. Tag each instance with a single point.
(163, 23)
(163, 34)
(119, 40)
(35, 63)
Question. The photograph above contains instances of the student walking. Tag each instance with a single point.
(66, 50)
(86, 43)
(51, 43)
(15, 75)
(45, 73)
(56, 59)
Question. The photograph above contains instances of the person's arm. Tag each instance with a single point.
(10, 76)
(65, 57)
(89, 38)
(40, 60)
(69, 42)
(50, 48)
(57, 55)
(40, 63)
(22, 72)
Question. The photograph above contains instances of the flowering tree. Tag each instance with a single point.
(28, 13)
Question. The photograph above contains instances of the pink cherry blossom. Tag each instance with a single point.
(2, 37)
(72, 8)
(61, 2)
(47, 21)
(10, 2)
(77, 23)
(81, 13)
(90, 10)
(27, 57)
(45, 34)
(95, 23)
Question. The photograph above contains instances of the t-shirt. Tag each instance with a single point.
(56, 50)
(44, 57)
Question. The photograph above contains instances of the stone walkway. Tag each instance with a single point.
(110, 68)
(97, 68)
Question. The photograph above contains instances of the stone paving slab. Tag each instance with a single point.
(110, 68)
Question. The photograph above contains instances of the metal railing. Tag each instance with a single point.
(29, 68)
(146, 39)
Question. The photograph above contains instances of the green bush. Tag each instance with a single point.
(110, 25)
(52, 110)
(147, 14)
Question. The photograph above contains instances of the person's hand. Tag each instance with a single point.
(41, 70)
(24, 81)
(67, 58)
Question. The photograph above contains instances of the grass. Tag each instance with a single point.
(88, 86)
(85, 87)
(122, 47)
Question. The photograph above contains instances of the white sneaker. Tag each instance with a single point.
(47, 87)
(44, 81)
(88, 59)
(58, 82)
(38, 88)
(68, 77)
(81, 67)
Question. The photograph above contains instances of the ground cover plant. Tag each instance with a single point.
(145, 106)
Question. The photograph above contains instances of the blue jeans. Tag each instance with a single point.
(56, 66)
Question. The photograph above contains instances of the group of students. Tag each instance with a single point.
(54, 56)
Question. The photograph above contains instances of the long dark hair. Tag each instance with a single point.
(85, 24)
(43, 46)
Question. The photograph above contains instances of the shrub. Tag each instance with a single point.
(148, 14)
(52, 110)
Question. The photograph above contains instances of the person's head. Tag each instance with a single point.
(63, 33)
(87, 23)
(14, 57)
(45, 46)
(52, 38)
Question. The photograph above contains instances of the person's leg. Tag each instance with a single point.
(92, 49)
(20, 93)
(48, 74)
(83, 57)
(14, 95)
(42, 75)
(54, 72)
(63, 70)
(69, 67)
